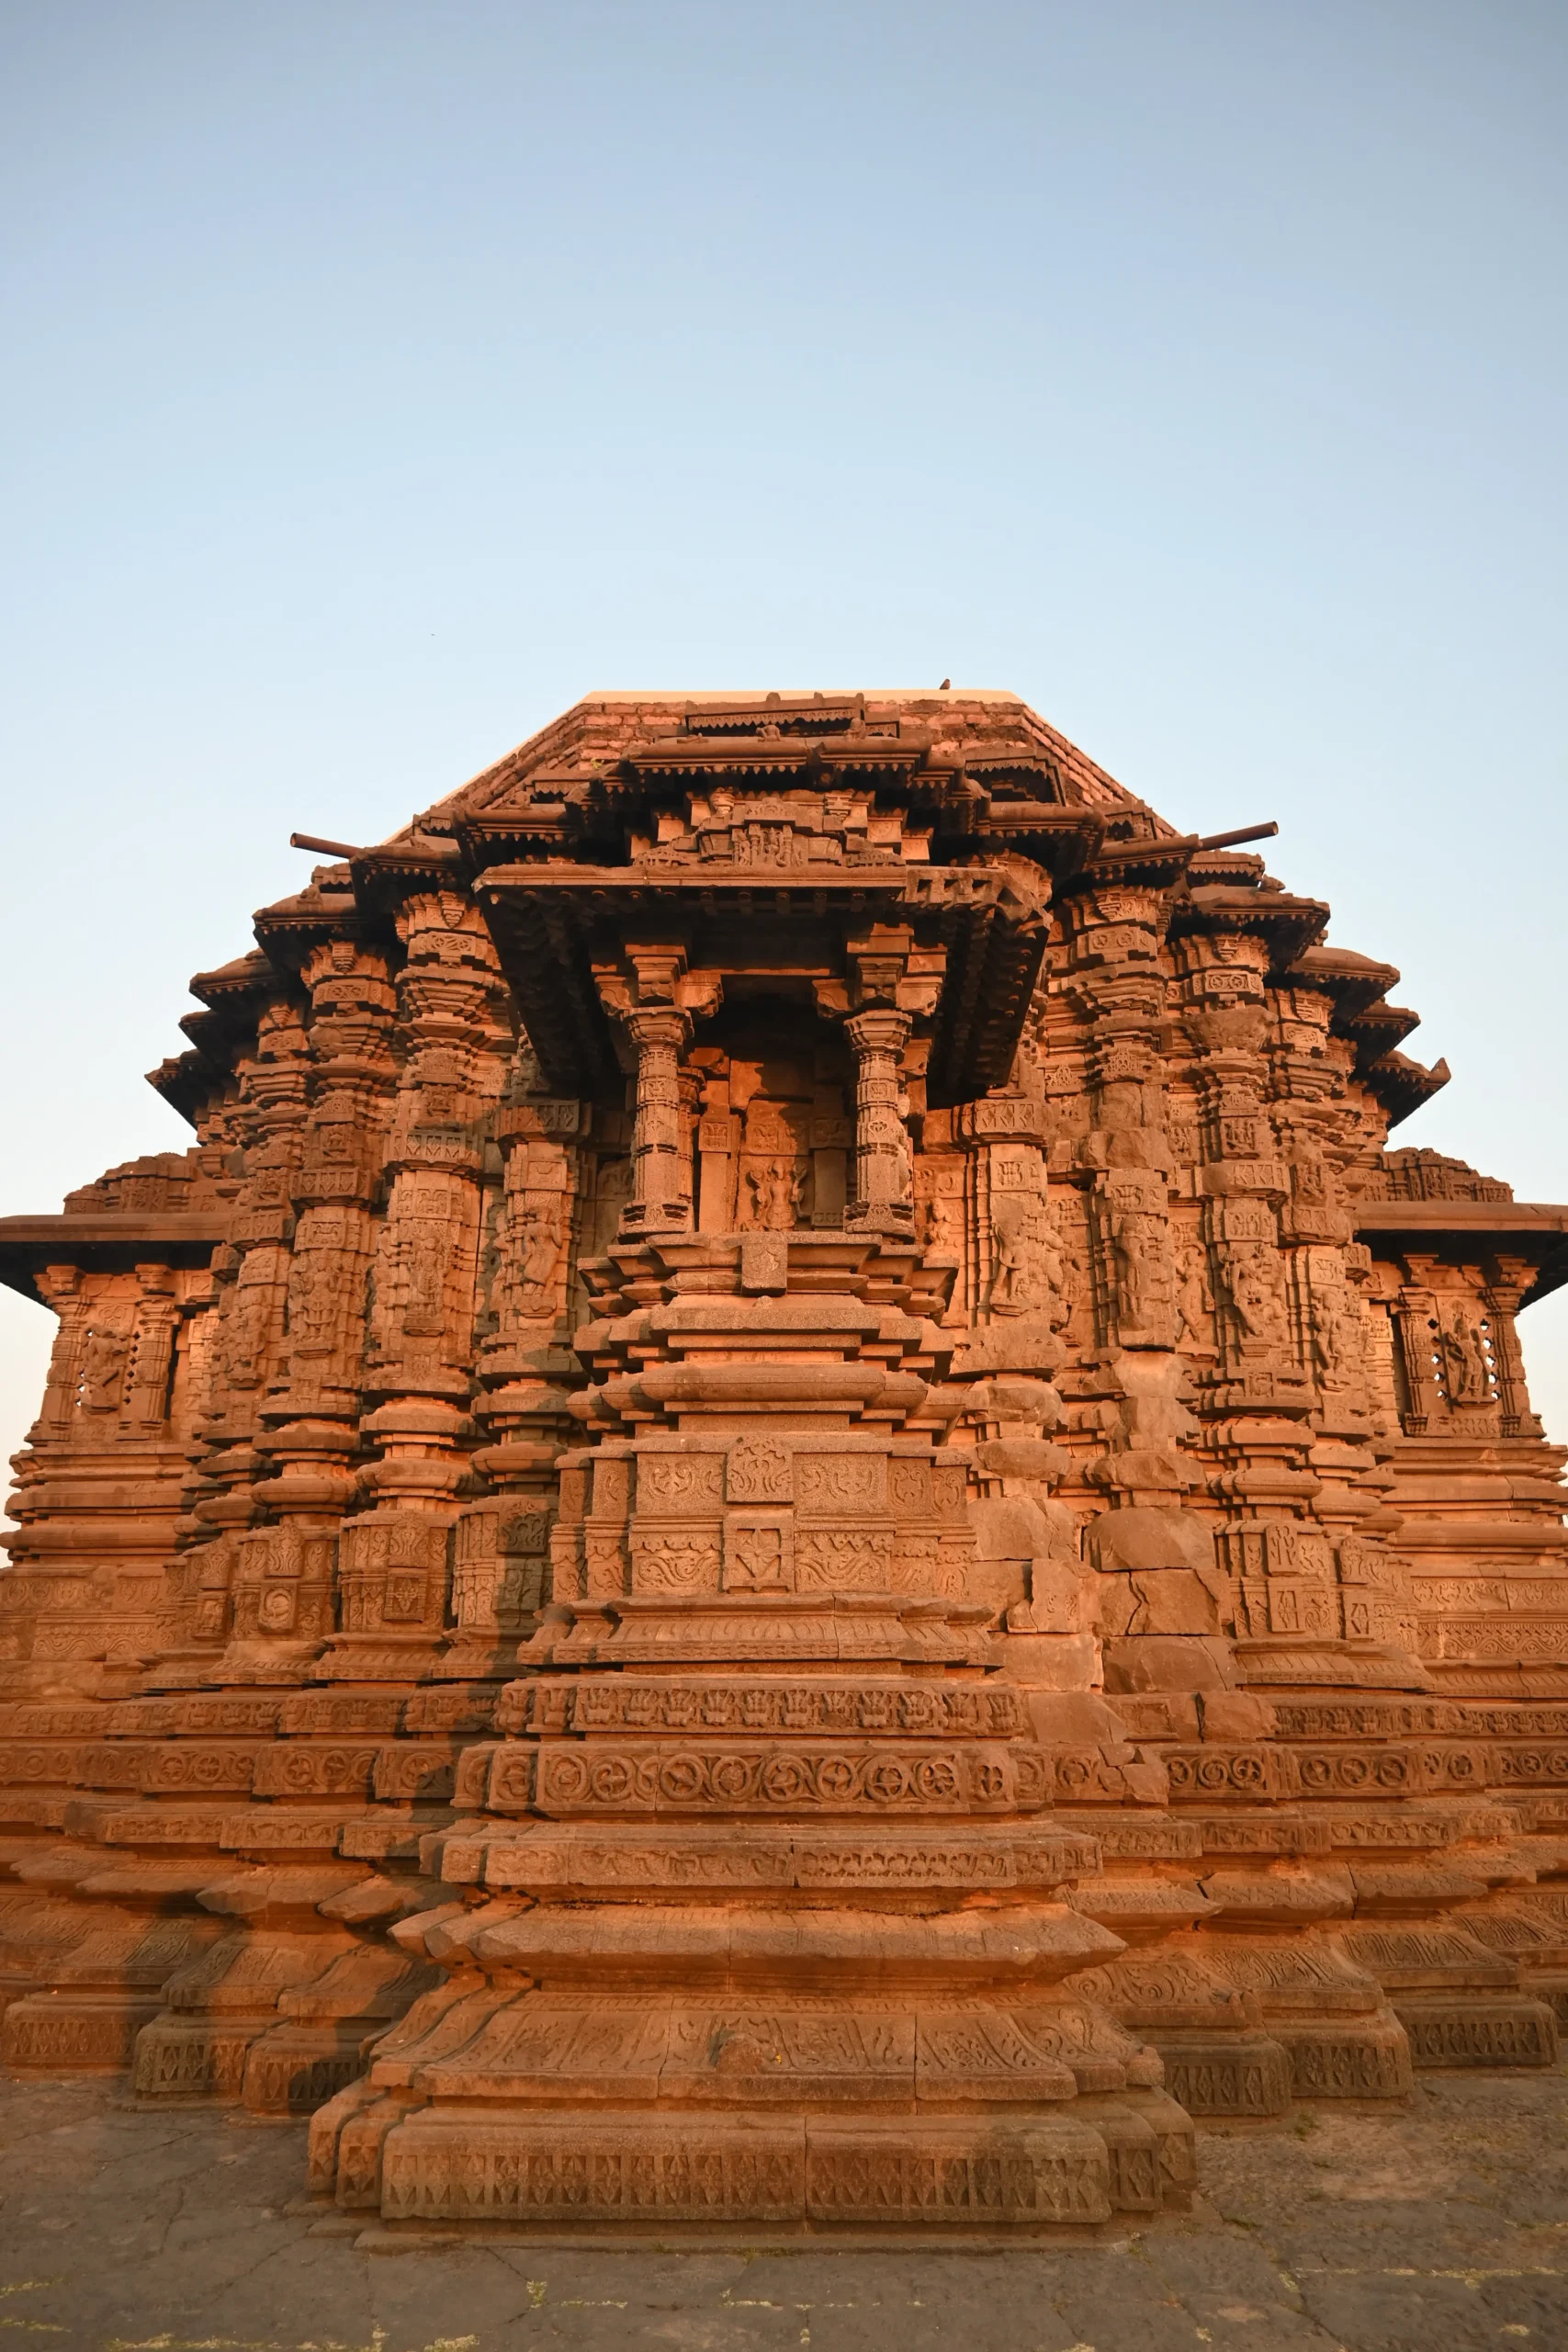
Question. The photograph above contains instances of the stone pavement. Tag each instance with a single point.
(1435, 2228)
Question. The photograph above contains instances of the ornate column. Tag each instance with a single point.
(884, 1196)
(1256, 1392)
(60, 1287)
(251, 1274)
(152, 1350)
(1508, 1279)
(526, 1369)
(661, 1190)
(395, 1557)
(285, 1583)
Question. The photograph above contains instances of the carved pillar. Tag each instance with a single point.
(284, 1583)
(394, 1559)
(1416, 1323)
(500, 1570)
(1162, 1599)
(1501, 1298)
(60, 1288)
(251, 1274)
(661, 1190)
(157, 1320)
(100, 1486)
(1114, 981)
(883, 1182)
(47, 1629)
(541, 1144)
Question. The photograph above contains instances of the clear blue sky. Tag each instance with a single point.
(380, 377)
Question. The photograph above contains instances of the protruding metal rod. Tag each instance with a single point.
(327, 849)
(1234, 840)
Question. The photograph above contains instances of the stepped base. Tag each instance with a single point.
(193, 2058)
(1225, 2073)
(638, 2166)
(1347, 2060)
(1550, 1985)
(58, 2033)
(293, 2069)
(1484, 2030)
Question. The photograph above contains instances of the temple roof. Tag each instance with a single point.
(972, 725)
(615, 792)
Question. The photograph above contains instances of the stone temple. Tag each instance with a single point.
(791, 1518)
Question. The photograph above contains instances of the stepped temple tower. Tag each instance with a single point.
(790, 1519)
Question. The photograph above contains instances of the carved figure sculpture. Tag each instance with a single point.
(543, 1244)
(1194, 1306)
(1335, 1337)
(314, 1287)
(103, 1370)
(427, 1272)
(244, 1337)
(1145, 1284)
(777, 1189)
(1252, 1288)
(1030, 1269)
(1467, 1375)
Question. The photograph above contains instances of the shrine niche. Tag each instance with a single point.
(791, 1518)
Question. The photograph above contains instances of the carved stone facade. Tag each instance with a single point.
(790, 1519)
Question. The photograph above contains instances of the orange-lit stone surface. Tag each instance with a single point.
(791, 1518)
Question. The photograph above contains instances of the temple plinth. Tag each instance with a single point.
(769, 1898)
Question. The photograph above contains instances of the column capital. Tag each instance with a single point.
(878, 1030)
(657, 1024)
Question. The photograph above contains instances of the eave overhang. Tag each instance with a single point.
(1401, 1085)
(187, 1080)
(1536, 1232)
(107, 1243)
(1289, 924)
(551, 925)
(1357, 987)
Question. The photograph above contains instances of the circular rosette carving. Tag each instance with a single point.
(611, 1781)
(566, 1779)
(785, 1780)
(732, 1778)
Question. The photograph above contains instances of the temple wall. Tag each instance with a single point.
(1173, 1175)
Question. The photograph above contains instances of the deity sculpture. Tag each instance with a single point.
(777, 1191)
(244, 1336)
(103, 1369)
(315, 1286)
(1335, 1337)
(1194, 1306)
(427, 1266)
(1030, 1273)
(1466, 1372)
(542, 1243)
(1144, 1280)
(1252, 1288)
